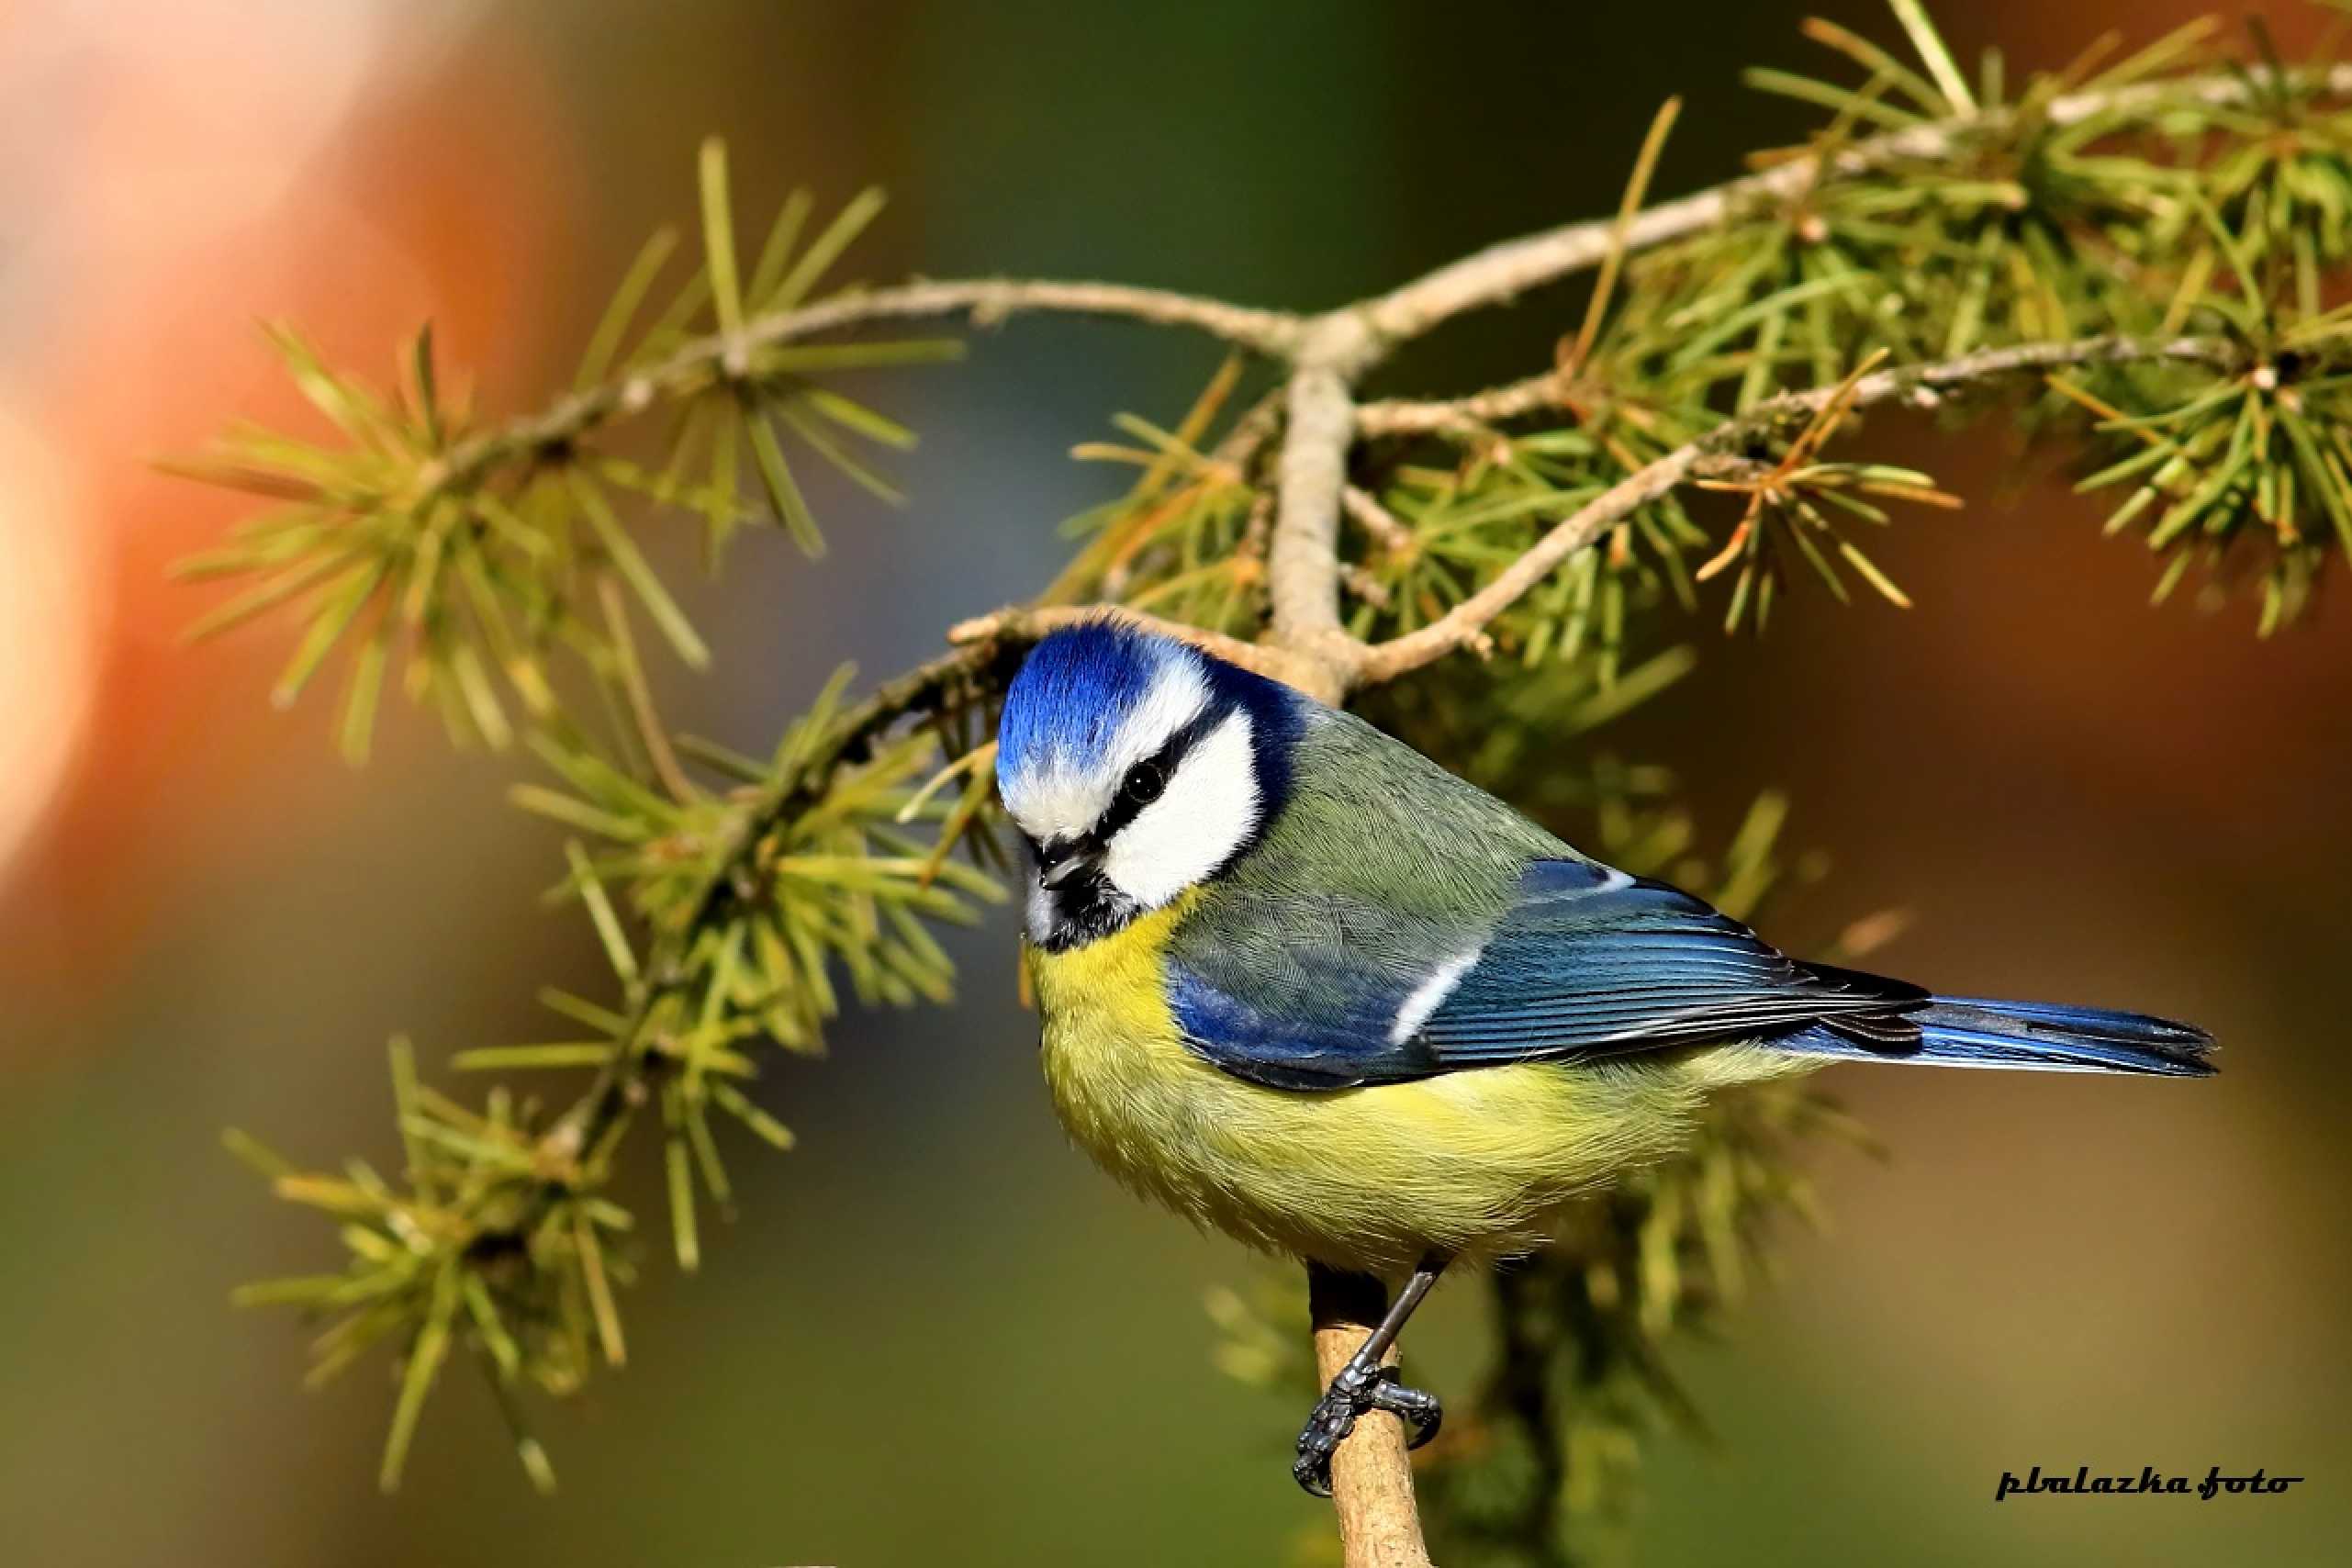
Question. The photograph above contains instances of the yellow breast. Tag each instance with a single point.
(1371, 1178)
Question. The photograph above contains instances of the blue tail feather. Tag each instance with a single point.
(2035, 1035)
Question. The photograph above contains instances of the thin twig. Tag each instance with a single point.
(1020, 626)
(1464, 625)
(1241, 445)
(1363, 509)
(1503, 271)
(1363, 585)
(1406, 416)
(984, 301)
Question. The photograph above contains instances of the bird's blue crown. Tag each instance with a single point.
(1077, 687)
(1080, 683)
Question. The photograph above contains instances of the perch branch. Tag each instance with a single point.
(1372, 1477)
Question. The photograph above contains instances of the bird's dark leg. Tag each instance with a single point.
(1363, 1384)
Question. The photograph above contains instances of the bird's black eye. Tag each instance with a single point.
(1146, 780)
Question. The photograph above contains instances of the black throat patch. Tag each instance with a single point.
(1085, 908)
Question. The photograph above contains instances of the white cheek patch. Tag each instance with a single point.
(1067, 798)
(1207, 812)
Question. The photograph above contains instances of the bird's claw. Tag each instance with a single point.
(1353, 1392)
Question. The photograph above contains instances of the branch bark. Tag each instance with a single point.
(983, 301)
(1371, 1475)
(1302, 556)
(1363, 509)
(1402, 416)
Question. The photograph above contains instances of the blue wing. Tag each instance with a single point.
(1585, 962)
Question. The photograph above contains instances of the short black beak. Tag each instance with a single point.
(1057, 863)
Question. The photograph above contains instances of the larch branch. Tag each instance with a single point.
(1465, 625)
(1332, 350)
(622, 1084)
(982, 301)
(1502, 271)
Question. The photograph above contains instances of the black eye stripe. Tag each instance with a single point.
(1126, 805)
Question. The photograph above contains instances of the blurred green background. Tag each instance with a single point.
(922, 1339)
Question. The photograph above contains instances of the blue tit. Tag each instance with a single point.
(1301, 984)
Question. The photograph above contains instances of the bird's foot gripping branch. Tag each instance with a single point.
(2134, 258)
